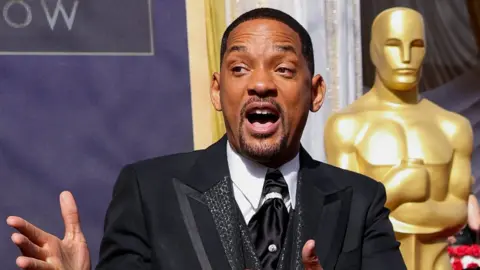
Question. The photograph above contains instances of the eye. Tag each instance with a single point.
(418, 43)
(284, 71)
(393, 42)
(239, 70)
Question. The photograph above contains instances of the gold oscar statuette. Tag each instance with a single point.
(419, 151)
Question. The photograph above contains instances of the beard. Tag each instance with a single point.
(259, 147)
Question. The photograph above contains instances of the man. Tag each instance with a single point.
(253, 200)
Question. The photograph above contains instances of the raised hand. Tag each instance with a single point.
(43, 251)
(309, 258)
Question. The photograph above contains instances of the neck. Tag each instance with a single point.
(279, 161)
(399, 97)
(274, 163)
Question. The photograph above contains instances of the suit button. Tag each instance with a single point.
(272, 248)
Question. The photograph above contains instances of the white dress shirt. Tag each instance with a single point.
(248, 178)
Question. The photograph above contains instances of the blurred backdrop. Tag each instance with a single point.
(77, 104)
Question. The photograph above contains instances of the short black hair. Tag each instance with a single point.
(277, 15)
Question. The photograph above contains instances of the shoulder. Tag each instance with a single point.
(364, 188)
(455, 126)
(368, 196)
(164, 167)
(342, 127)
(461, 135)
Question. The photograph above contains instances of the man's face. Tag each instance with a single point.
(265, 91)
(398, 49)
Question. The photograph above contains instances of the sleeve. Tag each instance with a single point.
(380, 248)
(125, 244)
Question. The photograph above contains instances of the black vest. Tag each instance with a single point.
(290, 255)
(236, 237)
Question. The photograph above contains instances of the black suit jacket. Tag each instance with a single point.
(174, 212)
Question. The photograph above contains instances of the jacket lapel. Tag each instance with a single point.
(324, 210)
(200, 227)
(209, 210)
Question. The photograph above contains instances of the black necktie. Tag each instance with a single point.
(269, 225)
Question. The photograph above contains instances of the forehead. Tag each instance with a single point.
(263, 31)
(401, 25)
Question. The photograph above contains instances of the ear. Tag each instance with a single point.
(215, 91)
(318, 93)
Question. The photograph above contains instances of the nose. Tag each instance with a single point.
(407, 54)
(261, 84)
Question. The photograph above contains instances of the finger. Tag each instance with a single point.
(309, 258)
(33, 264)
(451, 240)
(36, 235)
(308, 251)
(473, 213)
(28, 248)
(70, 217)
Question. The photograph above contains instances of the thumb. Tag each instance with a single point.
(70, 217)
(309, 257)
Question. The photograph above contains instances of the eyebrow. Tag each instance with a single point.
(285, 48)
(280, 48)
(237, 48)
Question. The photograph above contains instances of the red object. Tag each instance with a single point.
(461, 251)
(457, 264)
(472, 266)
(457, 252)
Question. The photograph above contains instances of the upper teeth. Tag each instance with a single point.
(263, 112)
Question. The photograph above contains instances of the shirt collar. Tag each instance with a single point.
(249, 176)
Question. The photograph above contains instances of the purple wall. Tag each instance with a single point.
(71, 122)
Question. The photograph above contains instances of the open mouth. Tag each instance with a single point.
(262, 119)
(262, 116)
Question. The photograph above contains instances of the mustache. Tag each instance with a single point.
(269, 100)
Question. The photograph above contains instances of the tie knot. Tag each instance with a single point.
(275, 184)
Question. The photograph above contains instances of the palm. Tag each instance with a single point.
(67, 254)
(44, 251)
(75, 252)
